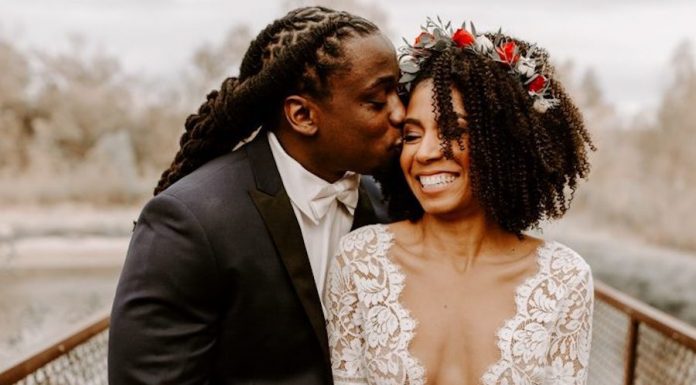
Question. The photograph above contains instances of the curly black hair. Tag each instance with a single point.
(295, 54)
(525, 164)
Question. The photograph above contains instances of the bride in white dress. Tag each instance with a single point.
(455, 293)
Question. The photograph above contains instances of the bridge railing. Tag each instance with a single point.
(78, 358)
(632, 344)
(635, 344)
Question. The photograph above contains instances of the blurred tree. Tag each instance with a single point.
(671, 144)
(16, 112)
(213, 63)
(644, 176)
(86, 96)
(590, 91)
(676, 114)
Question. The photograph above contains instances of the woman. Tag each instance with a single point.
(455, 293)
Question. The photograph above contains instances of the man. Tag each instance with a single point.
(223, 278)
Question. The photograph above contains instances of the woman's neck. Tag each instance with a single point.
(465, 241)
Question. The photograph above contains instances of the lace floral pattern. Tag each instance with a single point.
(546, 342)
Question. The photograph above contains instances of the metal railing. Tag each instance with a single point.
(635, 344)
(79, 358)
(632, 344)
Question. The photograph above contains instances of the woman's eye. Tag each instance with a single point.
(377, 105)
(410, 137)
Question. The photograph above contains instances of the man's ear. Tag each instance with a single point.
(301, 113)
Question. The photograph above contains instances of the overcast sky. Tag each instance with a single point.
(628, 43)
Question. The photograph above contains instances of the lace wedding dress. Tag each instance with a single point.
(546, 342)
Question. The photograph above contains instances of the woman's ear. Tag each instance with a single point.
(301, 113)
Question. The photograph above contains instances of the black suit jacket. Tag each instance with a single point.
(217, 287)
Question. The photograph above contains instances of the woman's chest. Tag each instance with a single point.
(456, 337)
(451, 329)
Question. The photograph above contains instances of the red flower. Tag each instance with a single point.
(422, 35)
(537, 84)
(463, 38)
(508, 52)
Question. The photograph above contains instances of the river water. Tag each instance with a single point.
(39, 305)
(50, 285)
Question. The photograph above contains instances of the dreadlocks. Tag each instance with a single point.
(295, 54)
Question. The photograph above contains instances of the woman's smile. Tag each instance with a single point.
(436, 182)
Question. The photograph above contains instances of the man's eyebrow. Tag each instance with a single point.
(387, 80)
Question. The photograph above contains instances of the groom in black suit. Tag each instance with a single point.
(221, 284)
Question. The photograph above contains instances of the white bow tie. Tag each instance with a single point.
(345, 190)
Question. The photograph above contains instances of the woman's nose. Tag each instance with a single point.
(430, 147)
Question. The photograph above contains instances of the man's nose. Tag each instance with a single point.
(397, 112)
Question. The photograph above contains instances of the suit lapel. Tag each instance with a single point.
(276, 210)
(364, 212)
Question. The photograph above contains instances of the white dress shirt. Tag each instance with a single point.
(324, 210)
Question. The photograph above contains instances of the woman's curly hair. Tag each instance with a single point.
(295, 54)
(525, 164)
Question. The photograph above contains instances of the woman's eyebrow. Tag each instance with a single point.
(413, 121)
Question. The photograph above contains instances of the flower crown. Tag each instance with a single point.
(529, 67)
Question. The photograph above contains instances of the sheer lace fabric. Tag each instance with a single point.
(546, 342)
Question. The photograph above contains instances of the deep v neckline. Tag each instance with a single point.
(417, 372)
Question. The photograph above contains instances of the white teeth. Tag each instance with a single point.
(437, 179)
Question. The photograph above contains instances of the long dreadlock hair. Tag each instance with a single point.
(295, 54)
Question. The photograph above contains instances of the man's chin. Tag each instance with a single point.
(387, 165)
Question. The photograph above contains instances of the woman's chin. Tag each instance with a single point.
(449, 207)
(442, 208)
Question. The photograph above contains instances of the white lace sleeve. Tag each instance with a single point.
(344, 324)
(569, 351)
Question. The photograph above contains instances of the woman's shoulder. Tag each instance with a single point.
(365, 244)
(367, 238)
(565, 264)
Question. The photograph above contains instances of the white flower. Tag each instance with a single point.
(380, 325)
(526, 66)
(541, 105)
(561, 373)
(356, 241)
(409, 65)
(352, 355)
(483, 44)
(531, 342)
(543, 306)
(371, 290)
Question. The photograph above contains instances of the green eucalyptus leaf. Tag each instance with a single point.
(407, 77)
(409, 66)
(440, 45)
